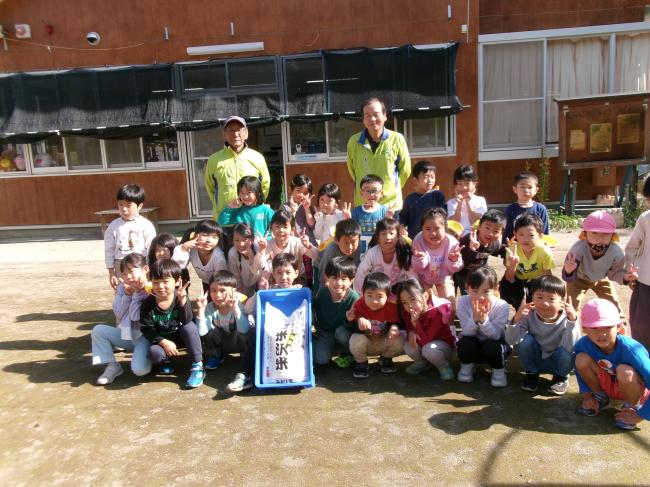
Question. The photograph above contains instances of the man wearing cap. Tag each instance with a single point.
(236, 160)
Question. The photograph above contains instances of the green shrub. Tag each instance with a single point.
(563, 223)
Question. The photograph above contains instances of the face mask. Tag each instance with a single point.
(598, 248)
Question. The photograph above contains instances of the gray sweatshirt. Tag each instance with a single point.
(492, 328)
(550, 336)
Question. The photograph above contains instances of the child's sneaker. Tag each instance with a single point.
(499, 378)
(166, 368)
(559, 385)
(196, 375)
(619, 423)
(112, 370)
(446, 373)
(603, 402)
(213, 362)
(387, 366)
(240, 383)
(530, 382)
(344, 361)
(361, 370)
(418, 368)
(466, 373)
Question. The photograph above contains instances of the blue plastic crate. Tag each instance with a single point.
(287, 301)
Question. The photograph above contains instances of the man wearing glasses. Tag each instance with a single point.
(236, 160)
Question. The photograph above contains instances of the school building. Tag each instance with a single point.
(95, 94)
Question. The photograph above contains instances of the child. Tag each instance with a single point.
(166, 321)
(375, 328)
(130, 232)
(429, 339)
(225, 328)
(611, 365)
(331, 303)
(299, 205)
(246, 261)
(284, 271)
(479, 244)
(128, 298)
(436, 255)
(328, 214)
(466, 207)
(637, 258)
(525, 188)
(347, 235)
(370, 212)
(249, 208)
(202, 249)
(526, 258)
(544, 332)
(162, 248)
(483, 318)
(424, 197)
(389, 253)
(595, 259)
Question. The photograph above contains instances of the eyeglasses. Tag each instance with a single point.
(371, 191)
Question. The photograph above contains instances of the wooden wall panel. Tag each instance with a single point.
(66, 199)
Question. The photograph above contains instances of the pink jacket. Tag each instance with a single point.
(435, 266)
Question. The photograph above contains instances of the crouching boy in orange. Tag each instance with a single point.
(611, 365)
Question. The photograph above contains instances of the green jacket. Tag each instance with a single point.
(258, 217)
(391, 162)
(224, 170)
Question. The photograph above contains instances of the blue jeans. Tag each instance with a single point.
(325, 342)
(559, 363)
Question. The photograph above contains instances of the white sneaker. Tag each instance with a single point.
(499, 378)
(112, 370)
(466, 373)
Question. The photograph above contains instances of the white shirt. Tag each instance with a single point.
(476, 203)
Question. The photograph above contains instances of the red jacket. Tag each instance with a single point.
(380, 319)
(431, 326)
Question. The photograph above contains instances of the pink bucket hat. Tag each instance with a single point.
(599, 221)
(599, 313)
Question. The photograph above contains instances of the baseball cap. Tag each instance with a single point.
(234, 118)
(599, 221)
(599, 313)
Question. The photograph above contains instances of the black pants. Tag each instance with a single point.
(471, 350)
(219, 342)
(188, 336)
(513, 292)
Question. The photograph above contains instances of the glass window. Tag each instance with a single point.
(339, 133)
(123, 153)
(204, 77)
(160, 147)
(427, 134)
(242, 74)
(48, 153)
(632, 63)
(203, 200)
(305, 88)
(207, 142)
(307, 139)
(512, 94)
(12, 158)
(83, 152)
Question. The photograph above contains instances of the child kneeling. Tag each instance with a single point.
(225, 328)
(611, 365)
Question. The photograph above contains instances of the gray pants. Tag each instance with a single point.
(437, 352)
(105, 337)
(362, 345)
(325, 342)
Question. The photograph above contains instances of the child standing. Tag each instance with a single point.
(429, 339)
(424, 197)
(389, 253)
(611, 365)
(248, 208)
(595, 259)
(225, 328)
(246, 260)
(329, 214)
(130, 232)
(202, 250)
(166, 321)
(544, 333)
(483, 318)
(375, 327)
(526, 258)
(370, 212)
(466, 207)
(526, 187)
(478, 245)
(331, 303)
(128, 298)
(347, 235)
(436, 254)
(637, 258)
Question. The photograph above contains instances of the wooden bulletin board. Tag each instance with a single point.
(604, 130)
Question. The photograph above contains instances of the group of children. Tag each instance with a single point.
(384, 284)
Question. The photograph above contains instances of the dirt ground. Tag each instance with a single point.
(59, 428)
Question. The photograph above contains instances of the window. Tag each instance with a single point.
(428, 134)
(210, 76)
(307, 139)
(340, 132)
(204, 144)
(160, 147)
(305, 85)
(248, 74)
(48, 154)
(123, 153)
(632, 72)
(83, 153)
(12, 159)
